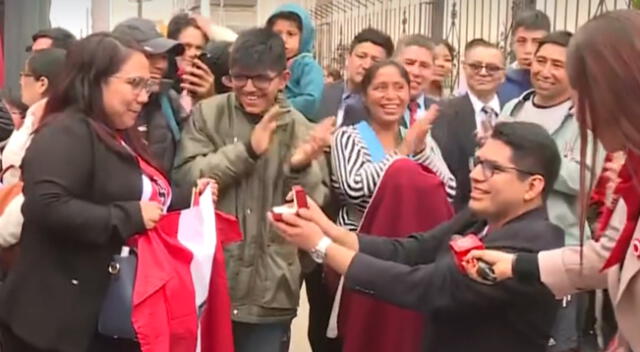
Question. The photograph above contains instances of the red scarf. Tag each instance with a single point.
(629, 191)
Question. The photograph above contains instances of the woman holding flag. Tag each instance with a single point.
(89, 186)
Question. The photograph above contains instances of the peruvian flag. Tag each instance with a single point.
(180, 274)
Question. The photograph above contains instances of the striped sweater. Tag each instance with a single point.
(355, 175)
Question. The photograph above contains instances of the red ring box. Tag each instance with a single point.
(299, 201)
(461, 246)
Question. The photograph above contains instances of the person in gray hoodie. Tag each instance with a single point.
(549, 104)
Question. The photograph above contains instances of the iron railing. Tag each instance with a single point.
(338, 21)
(458, 21)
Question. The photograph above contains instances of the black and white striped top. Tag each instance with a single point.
(355, 175)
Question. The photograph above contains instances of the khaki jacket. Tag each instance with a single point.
(263, 270)
(563, 273)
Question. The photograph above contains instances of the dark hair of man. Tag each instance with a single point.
(559, 38)
(286, 16)
(479, 43)
(179, 23)
(375, 37)
(258, 50)
(60, 37)
(418, 40)
(47, 63)
(532, 20)
(371, 73)
(533, 150)
(90, 63)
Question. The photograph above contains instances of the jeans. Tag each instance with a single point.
(273, 337)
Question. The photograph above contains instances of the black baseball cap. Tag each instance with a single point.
(146, 34)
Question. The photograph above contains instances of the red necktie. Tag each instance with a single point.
(413, 111)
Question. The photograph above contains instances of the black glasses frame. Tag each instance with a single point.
(489, 168)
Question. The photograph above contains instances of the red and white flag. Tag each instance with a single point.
(181, 272)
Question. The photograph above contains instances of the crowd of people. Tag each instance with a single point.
(537, 160)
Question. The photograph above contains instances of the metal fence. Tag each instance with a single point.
(458, 21)
(338, 21)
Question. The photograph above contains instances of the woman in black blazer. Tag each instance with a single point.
(85, 174)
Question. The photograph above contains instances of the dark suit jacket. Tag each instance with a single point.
(331, 101)
(461, 314)
(81, 205)
(454, 131)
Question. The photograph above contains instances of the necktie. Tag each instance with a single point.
(413, 112)
(486, 125)
(490, 115)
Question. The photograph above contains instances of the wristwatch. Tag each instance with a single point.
(318, 253)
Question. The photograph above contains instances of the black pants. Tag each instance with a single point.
(13, 343)
(320, 304)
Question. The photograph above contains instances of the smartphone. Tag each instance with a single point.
(203, 57)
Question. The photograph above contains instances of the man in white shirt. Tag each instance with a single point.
(465, 121)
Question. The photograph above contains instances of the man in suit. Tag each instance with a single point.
(343, 99)
(466, 120)
(415, 53)
(515, 171)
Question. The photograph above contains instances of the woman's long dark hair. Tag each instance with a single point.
(90, 62)
(603, 68)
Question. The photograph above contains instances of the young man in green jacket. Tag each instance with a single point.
(256, 147)
(549, 104)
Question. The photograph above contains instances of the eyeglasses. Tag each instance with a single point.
(477, 67)
(141, 83)
(238, 81)
(489, 168)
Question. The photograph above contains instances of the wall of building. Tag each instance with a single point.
(159, 11)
